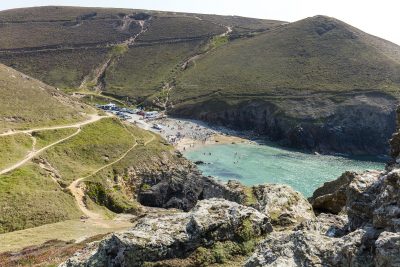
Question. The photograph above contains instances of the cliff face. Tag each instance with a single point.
(360, 124)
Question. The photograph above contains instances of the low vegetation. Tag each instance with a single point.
(297, 56)
(64, 69)
(97, 145)
(29, 198)
(45, 138)
(14, 148)
(49, 254)
(177, 27)
(26, 102)
(143, 70)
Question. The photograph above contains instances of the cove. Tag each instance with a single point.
(254, 164)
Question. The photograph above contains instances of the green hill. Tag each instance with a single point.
(49, 141)
(63, 45)
(26, 103)
(317, 84)
(318, 53)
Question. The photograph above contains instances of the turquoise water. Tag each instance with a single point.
(258, 164)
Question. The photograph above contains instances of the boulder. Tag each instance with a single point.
(310, 248)
(178, 185)
(386, 212)
(176, 235)
(282, 204)
(326, 224)
(331, 196)
(387, 250)
(361, 194)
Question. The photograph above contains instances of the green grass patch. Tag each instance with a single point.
(97, 145)
(64, 69)
(45, 138)
(27, 103)
(29, 198)
(111, 197)
(13, 148)
(119, 50)
(143, 70)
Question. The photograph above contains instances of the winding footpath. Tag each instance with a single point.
(34, 153)
(78, 193)
(93, 118)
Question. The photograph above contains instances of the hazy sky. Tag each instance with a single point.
(378, 17)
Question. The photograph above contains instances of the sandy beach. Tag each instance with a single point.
(190, 134)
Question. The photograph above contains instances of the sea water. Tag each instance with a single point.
(254, 164)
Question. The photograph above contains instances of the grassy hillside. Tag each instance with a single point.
(98, 144)
(319, 54)
(61, 68)
(143, 70)
(161, 28)
(29, 197)
(13, 148)
(62, 45)
(26, 102)
(35, 194)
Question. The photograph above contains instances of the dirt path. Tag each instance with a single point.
(198, 56)
(93, 118)
(78, 193)
(33, 153)
(96, 77)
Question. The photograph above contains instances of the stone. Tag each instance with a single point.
(326, 224)
(386, 212)
(310, 248)
(166, 236)
(387, 250)
(282, 204)
(331, 196)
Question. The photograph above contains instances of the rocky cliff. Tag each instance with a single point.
(365, 234)
(177, 235)
(326, 124)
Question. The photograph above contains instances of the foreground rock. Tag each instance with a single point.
(282, 204)
(178, 185)
(310, 248)
(369, 236)
(331, 196)
(176, 235)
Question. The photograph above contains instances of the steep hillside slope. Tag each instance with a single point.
(63, 45)
(317, 83)
(60, 163)
(26, 102)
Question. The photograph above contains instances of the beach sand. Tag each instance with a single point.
(191, 134)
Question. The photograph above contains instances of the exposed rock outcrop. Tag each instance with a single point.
(282, 204)
(331, 196)
(310, 248)
(181, 186)
(369, 237)
(387, 249)
(326, 224)
(315, 122)
(155, 238)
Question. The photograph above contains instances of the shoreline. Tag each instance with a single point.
(187, 134)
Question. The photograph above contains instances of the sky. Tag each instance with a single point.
(380, 18)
